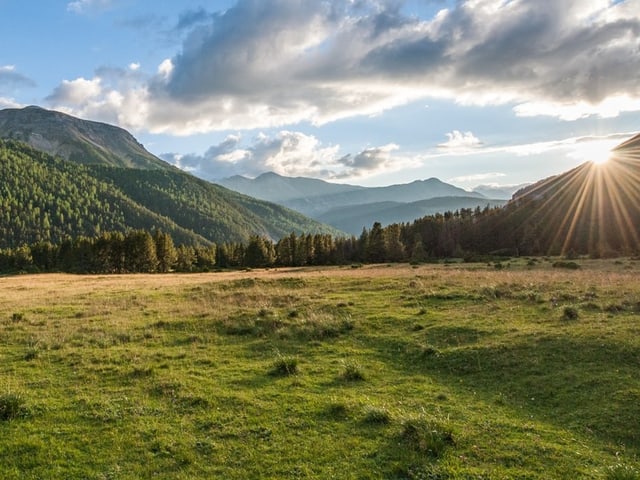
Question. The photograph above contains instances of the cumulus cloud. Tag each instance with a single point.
(272, 63)
(458, 140)
(286, 153)
(78, 91)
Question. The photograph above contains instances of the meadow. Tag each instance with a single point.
(515, 370)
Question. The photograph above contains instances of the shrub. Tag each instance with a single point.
(17, 317)
(567, 265)
(427, 436)
(12, 405)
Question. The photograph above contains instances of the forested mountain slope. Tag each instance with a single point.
(43, 198)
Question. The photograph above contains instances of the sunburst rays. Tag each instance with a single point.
(593, 209)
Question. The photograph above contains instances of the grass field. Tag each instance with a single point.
(470, 371)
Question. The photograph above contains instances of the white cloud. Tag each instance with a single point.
(134, 66)
(165, 68)
(610, 107)
(273, 63)
(9, 103)
(76, 92)
(461, 141)
(286, 153)
(83, 6)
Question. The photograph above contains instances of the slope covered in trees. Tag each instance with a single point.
(43, 198)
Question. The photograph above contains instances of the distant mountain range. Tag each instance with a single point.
(103, 179)
(350, 208)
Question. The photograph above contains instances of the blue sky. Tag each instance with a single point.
(370, 92)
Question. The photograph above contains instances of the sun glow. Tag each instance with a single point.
(598, 152)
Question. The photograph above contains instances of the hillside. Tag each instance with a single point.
(43, 198)
(594, 209)
(353, 219)
(47, 198)
(80, 141)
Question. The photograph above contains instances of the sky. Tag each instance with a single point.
(367, 92)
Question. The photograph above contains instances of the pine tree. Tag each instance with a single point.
(165, 251)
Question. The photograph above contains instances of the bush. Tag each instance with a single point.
(12, 405)
(567, 265)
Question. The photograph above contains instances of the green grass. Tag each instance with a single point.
(435, 372)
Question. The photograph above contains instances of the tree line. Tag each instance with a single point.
(519, 228)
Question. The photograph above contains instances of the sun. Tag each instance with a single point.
(597, 152)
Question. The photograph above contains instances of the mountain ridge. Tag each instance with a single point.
(156, 194)
(77, 140)
(326, 196)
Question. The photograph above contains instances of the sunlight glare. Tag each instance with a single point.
(598, 152)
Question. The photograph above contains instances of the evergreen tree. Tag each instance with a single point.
(140, 252)
(376, 251)
(165, 251)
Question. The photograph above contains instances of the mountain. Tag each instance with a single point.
(43, 197)
(594, 208)
(80, 141)
(353, 219)
(275, 188)
(318, 199)
(499, 192)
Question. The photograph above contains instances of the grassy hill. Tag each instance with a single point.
(47, 198)
(437, 372)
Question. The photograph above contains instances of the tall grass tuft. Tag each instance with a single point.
(352, 371)
(622, 472)
(284, 365)
(427, 436)
(12, 406)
